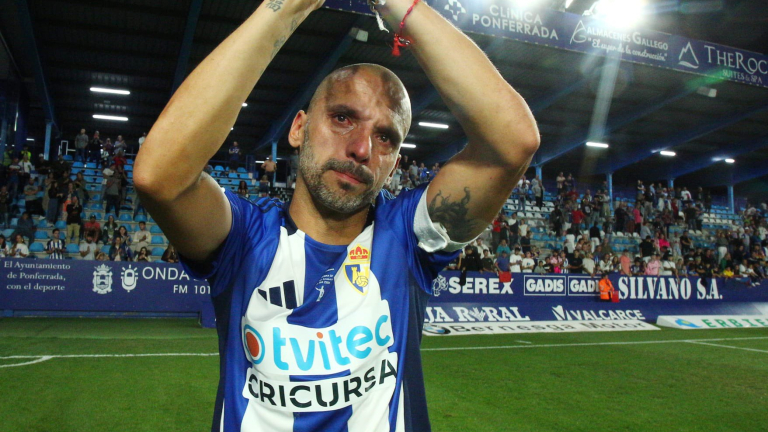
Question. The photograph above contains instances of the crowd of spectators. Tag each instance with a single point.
(52, 194)
(660, 223)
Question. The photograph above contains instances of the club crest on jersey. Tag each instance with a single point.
(357, 268)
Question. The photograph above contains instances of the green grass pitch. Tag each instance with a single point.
(669, 380)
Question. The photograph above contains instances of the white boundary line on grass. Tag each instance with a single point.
(728, 346)
(42, 358)
(590, 344)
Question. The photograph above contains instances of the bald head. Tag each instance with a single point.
(393, 90)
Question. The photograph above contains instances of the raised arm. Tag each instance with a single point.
(502, 135)
(187, 203)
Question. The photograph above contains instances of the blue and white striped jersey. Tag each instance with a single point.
(316, 337)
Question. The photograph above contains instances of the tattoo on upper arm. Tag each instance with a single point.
(453, 215)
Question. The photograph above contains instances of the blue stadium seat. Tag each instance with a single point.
(140, 218)
(129, 167)
(128, 227)
(106, 248)
(155, 230)
(77, 164)
(91, 165)
(125, 217)
(73, 248)
(36, 247)
(244, 176)
(218, 168)
(7, 233)
(41, 235)
(76, 170)
(158, 251)
(68, 158)
(157, 240)
(42, 224)
(90, 172)
(241, 170)
(130, 161)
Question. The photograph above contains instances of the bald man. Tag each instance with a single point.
(320, 301)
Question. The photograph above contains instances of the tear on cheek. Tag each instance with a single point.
(346, 130)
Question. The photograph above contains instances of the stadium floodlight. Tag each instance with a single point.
(596, 144)
(667, 153)
(730, 161)
(433, 125)
(245, 104)
(618, 13)
(405, 145)
(109, 117)
(109, 90)
(30, 139)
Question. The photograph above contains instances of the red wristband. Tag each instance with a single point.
(399, 40)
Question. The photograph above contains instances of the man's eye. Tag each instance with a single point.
(340, 118)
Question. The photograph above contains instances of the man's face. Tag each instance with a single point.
(55, 234)
(350, 141)
(89, 239)
(142, 226)
(82, 131)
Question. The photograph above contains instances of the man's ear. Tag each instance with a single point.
(298, 129)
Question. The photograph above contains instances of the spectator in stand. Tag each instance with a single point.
(92, 229)
(120, 251)
(120, 161)
(5, 249)
(120, 145)
(525, 242)
(5, 207)
(109, 148)
(264, 186)
(638, 220)
(503, 248)
(234, 157)
(487, 261)
(106, 174)
(54, 196)
(94, 148)
(537, 188)
(25, 227)
(138, 207)
(293, 164)
(109, 230)
(588, 264)
(654, 265)
(141, 139)
(55, 247)
(141, 237)
(269, 168)
(88, 248)
(686, 244)
(503, 267)
(480, 246)
(112, 194)
(12, 174)
(645, 230)
(170, 255)
(143, 255)
(79, 186)
(605, 266)
(74, 220)
(122, 232)
(662, 244)
(528, 263)
(685, 196)
(19, 248)
(668, 267)
(638, 267)
(242, 190)
(516, 261)
(34, 205)
(595, 236)
(626, 263)
(81, 146)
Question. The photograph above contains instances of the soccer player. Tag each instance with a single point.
(320, 302)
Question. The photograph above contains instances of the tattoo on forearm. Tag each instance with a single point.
(278, 44)
(275, 5)
(453, 215)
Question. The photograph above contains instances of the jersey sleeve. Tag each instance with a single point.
(428, 243)
(246, 230)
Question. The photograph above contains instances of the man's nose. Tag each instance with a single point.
(359, 144)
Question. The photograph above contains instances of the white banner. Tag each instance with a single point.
(699, 322)
(535, 327)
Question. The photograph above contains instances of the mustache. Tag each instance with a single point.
(359, 172)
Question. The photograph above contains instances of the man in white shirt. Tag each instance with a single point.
(88, 249)
(523, 226)
(141, 237)
(515, 261)
(481, 247)
(588, 264)
(528, 263)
